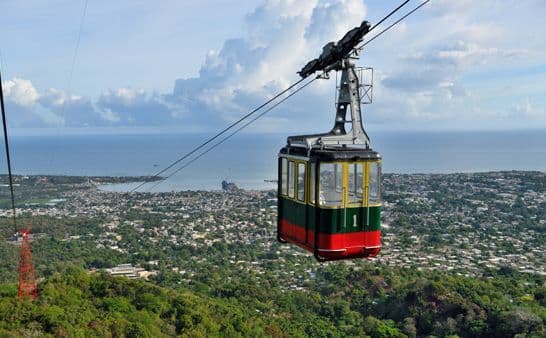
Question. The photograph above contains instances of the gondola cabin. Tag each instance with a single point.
(329, 201)
(329, 185)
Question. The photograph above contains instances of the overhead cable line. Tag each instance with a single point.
(68, 89)
(392, 25)
(208, 141)
(8, 159)
(76, 50)
(235, 132)
(70, 78)
(388, 15)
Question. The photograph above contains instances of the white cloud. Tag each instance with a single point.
(21, 92)
(421, 70)
(280, 37)
(134, 107)
(441, 65)
(23, 105)
(433, 81)
(330, 20)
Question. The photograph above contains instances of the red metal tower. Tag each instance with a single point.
(27, 279)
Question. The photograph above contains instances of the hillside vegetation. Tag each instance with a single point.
(344, 302)
(463, 255)
(76, 303)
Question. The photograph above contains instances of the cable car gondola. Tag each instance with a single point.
(329, 190)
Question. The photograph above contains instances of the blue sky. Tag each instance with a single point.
(197, 65)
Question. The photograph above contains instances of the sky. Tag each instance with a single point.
(195, 66)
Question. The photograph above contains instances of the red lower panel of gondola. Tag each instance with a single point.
(333, 246)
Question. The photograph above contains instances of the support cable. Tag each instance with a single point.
(75, 56)
(392, 25)
(8, 159)
(208, 141)
(235, 132)
(388, 15)
(70, 79)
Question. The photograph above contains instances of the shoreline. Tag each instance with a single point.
(124, 184)
(267, 185)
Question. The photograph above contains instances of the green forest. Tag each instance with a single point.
(446, 269)
(344, 302)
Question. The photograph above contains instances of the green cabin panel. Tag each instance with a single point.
(332, 221)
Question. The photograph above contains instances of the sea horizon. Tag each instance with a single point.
(249, 159)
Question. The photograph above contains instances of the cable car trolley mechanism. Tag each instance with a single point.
(329, 184)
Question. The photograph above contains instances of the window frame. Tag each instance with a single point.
(312, 182)
(284, 176)
(294, 166)
(292, 181)
(351, 185)
(378, 201)
(300, 164)
(342, 191)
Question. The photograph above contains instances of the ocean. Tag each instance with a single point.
(249, 159)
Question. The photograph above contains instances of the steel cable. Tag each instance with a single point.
(391, 25)
(234, 133)
(8, 159)
(208, 141)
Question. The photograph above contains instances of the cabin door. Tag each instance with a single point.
(312, 211)
(301, 175)
(345, 217)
